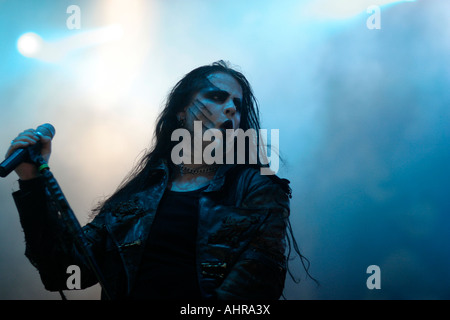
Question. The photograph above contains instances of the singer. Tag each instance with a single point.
(189, 231)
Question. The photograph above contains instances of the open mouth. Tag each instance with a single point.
(227, 125)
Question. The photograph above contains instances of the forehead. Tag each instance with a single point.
(226, 82)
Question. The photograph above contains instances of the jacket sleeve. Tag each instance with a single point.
(48, 245)
(260, 270)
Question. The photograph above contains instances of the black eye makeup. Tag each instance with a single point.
(221, 96)
(217, 95)
(238, 103)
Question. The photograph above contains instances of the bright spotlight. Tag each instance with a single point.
(33, 46)
(29, 44)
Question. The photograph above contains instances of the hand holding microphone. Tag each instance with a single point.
(17, 153)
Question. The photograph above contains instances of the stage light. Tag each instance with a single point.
(29, 44)
(33, 46)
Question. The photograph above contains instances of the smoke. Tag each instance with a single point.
(374, 189)
(362, 116)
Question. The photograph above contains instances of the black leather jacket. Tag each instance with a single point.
(240, 244)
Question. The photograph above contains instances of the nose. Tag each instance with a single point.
(230, 110)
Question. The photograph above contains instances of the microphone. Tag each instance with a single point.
(21, 155)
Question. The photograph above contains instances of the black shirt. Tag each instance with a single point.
(168, 269)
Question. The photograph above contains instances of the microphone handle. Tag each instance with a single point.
(23, 154)
(16, 158)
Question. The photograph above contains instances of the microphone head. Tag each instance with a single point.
(46, 129)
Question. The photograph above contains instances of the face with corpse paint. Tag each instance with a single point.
(217, 105)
